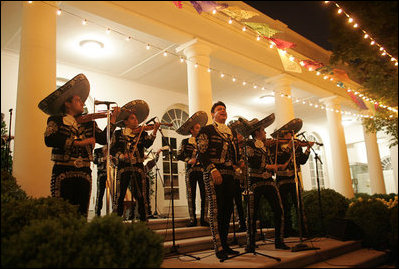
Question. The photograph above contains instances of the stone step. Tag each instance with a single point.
(205, 242)
(334, 249)
(328, 249)
(361, 258)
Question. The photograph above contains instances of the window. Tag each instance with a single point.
(312, 164)
(177, 117)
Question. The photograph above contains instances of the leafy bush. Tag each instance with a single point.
(111, 243)
(373, 218)
(44, 243)
(49, 232)
(16, 214)
(105, 242)
(10, 190)
(334, 205)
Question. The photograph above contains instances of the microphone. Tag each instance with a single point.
(97, 102)
(150, 120)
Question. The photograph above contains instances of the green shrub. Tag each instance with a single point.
(105, 242)
(16, 214)
(44, 243)
(373, 218)
(10, 190)
(393, 235)
(111, 243)
(334, 205)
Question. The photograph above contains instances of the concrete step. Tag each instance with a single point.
(328, 249)
(361, 258)
(332, 250)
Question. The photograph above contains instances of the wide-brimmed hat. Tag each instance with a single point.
(292, 126)
(198, 117)
(137, 107)
(245, 127)
(53, 103)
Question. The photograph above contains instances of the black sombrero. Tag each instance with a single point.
(138, 107)
(53, 103)
(245, 127)
(199, 117)
(294, 125)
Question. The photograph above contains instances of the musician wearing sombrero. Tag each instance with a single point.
(218, 152)
(283, 152)
(194, 170)
(127, 147)
(261, 168)
(72, 141)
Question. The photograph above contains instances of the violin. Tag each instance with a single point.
(148, 127)
(298, 142)
(90, 117)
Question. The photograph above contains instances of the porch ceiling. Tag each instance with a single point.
(132, 61)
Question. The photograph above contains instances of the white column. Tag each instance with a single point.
(376, 175)
(284, 110)
(341, 171)
(394, 162)
(199, 79)
(36, 79)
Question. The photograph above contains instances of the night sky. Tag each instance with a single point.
(307, 18)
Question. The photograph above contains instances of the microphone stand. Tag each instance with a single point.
(174, 246)
(301, 246)
(316, 157)
(8, 164)
(110, 185)
(251, 248)
(156, 185)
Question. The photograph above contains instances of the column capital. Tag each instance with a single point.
(195, 47)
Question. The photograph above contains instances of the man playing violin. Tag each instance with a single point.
(218, 152)
(72, 142)
(261, 169)
(127, 147)
(283, 151)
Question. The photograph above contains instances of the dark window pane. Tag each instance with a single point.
(166, 180)
(166, 168)
(164, 141)
(174, 168)
(168, 196)
(173, 142)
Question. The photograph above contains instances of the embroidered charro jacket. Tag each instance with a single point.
(62, 131)
(259, 155)
(189, 150)
(284, 153)
(124, 141)
(218, 147)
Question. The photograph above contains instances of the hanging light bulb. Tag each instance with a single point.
(214, 11)
(59, 12)
(147, 47)
(230, 21)
(258, 38)
(366, 36)
(108, 31)
(84, 22)
(339, 11)
(350, 20)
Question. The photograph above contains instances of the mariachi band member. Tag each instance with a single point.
(261, 168)
(100, 159)
(218, 152)
(283, 152)
(239, 184)
(194, 170)
(127, 148)
(72, 140)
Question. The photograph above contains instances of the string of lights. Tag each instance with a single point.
(222, 75)
(366, 36)
(272, 45)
